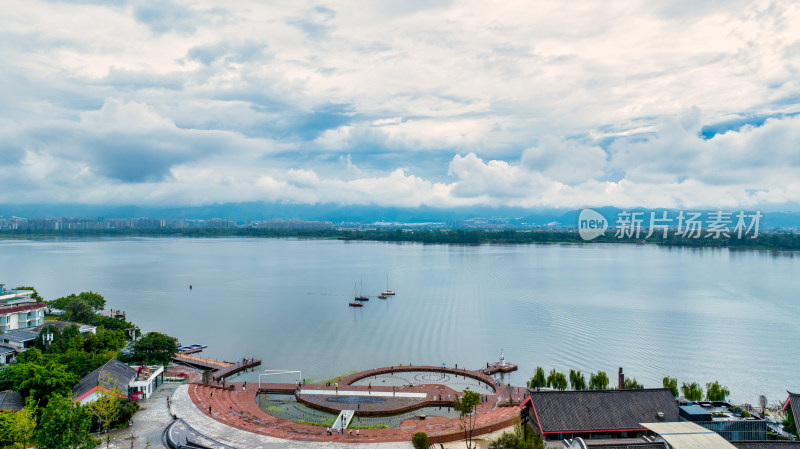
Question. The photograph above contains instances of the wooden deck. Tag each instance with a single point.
(200, 362)
(235, 368)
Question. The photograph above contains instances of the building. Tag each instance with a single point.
(18, 310)
(731, 423)
(793, 403)
(11, 400)
(599, 414)
(120, 379)
(19, 339)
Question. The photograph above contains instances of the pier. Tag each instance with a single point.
(220, 369)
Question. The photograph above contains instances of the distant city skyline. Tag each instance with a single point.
(442, 104)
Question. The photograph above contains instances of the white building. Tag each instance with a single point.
(18, 310)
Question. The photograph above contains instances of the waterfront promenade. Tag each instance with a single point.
(237, 409)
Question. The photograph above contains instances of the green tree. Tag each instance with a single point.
(465, 406)
(105, 408)
(716, 392)
(40, 381)
(95, 300)
(538, 380)
(420, 440)
(672, 384)
(24, 424)
(91, 343)
(598, 381)
(79, 311)
(518, 440)
(762, 401)
(632, 384)
(692, 391)
(155, 347)
(558, 381)
(788, 422)
(111, 339)
(64, 425)
(35, 294)
(576, 380)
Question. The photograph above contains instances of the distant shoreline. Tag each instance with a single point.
(765, 241)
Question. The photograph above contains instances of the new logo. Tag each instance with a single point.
(591, 224)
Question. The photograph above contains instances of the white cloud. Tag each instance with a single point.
(440, 103)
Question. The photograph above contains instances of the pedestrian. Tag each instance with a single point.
(456, 365)
(328, 430)
(209, 409)
(243, 387)
(211, 394)
(349, 433)
(358, 433)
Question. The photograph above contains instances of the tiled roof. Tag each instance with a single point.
(11, 400)
(766, 444)
(604, 410)
(26, 334)
(114, 375)
(22, 308)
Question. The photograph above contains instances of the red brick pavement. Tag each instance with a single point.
(239, 408)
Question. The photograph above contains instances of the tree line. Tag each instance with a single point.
(772, 241)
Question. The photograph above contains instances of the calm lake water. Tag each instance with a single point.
(695, 314)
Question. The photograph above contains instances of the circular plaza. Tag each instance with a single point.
(387, 404)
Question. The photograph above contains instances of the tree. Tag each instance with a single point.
(518, 440)
(762, 401)
(420, 440)
(692, 391)
(672, 384)
(64, 425)
(106, 407)
(538, 380)
(38, 381)
(576, 380)
(632, 384)
(465, 406)
(111, 339)
(24, 424)
(598, 381)
(79, 311)
(788, 422)
(559, 381)
(155, 347)
(716, 392)
(95, 300)
(91, 343)
(35, 294)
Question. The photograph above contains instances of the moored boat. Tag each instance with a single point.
(387, 292)
(356, 304)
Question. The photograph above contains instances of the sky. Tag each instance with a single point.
(545, 104)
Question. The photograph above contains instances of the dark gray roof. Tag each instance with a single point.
(766, 444)
(5, 350)
(113, 375)
(605, 410)
(20, 335)
(11, 400)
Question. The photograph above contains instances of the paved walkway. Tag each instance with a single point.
(148, 423)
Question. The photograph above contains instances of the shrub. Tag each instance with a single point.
(420, 440)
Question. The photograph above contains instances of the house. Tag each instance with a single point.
(7, 355)
(728, 421)
(19, 310)
(593, 414)
(793, 403)
(120, 379)
(19, 339)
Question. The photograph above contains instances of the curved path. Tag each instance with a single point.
(238, 409)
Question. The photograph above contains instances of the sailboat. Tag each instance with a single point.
(361, 296)
(387, 292)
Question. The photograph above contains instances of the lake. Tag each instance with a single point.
(695, 314)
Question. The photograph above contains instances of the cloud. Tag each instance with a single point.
(442, 103)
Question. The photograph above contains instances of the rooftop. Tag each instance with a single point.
(601, 410)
